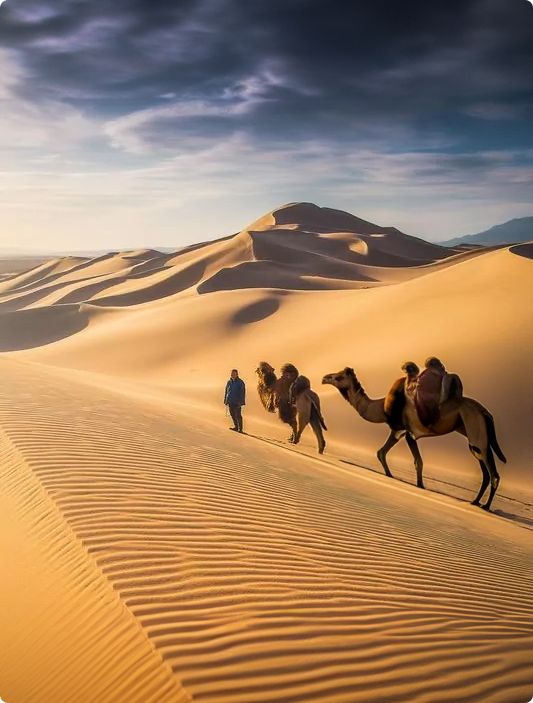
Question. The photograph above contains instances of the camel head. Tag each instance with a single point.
(343, 380)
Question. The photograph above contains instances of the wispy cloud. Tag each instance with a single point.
(35, 124)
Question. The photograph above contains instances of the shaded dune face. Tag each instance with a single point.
(525, 250)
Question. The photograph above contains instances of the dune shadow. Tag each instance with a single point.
(525, 250)
(27, 329)
(175, 283)
(256, 311)
(44, 278)
(85, 293)
(23, 299)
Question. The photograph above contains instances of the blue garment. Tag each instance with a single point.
(235, 392)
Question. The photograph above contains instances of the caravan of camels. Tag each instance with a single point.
(427, 404)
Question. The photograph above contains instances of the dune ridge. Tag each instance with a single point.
(299, 246)
(64, 635)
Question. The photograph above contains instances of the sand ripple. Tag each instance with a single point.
(261, 576)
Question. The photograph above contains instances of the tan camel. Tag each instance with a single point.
(307, 404)
(463, 415)
(274, 393)
(291, 397)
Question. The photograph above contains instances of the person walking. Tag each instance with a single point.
(235, 398)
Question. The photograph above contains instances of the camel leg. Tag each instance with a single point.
(294, 435)
(303, 416)
(317, 429)
(478, 435)
(484, 482)
(301, 425)
(392, 439)
(419, 464)
(494, 477)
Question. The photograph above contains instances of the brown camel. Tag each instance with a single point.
(457, 414)
(274, 393)
(307, 404)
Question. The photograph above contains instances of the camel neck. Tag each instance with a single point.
(369, 409)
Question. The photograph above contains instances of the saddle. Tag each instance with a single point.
(428, 396)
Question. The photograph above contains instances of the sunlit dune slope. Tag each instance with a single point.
(243, 572)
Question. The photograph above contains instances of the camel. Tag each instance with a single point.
(307, 404)
(291, 396)
(457, 414)
(274, 393)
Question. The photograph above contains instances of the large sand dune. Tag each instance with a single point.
(192, 564)
(292, 248)
(256, 574)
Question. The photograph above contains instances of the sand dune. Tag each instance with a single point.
(181, 562)
(11, 265)
(292, 248)
(260, 575)
(39, 273)
(65, 634)
(78, 279)
(188, 342)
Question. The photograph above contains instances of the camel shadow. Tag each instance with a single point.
(462, 493)
(521, 519)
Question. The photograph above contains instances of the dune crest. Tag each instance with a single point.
(300, 247)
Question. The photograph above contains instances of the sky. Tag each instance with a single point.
(157, 123)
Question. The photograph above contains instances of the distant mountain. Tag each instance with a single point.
(512, 232)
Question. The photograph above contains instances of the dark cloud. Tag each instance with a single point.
(452, 77)
(351, 56)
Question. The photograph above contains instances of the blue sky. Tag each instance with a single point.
(146, 123)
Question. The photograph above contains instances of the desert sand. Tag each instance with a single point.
(149, 554)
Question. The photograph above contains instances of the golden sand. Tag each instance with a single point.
(148, 554)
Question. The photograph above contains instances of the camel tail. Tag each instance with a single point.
(318, 416)
(493, 441)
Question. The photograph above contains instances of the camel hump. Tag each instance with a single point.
(428, 396)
